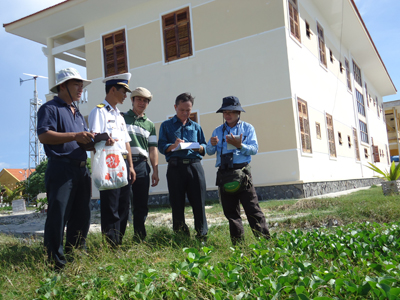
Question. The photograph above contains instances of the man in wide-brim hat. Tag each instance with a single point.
(68, 184)
(234, 142)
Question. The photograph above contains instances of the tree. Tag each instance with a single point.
(10, 195)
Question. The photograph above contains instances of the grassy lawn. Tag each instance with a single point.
(330, 248)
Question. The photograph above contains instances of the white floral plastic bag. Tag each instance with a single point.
(109, 168)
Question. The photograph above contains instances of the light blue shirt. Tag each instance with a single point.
(249, 142)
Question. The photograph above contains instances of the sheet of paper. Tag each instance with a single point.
(185, 146)
(231, 147)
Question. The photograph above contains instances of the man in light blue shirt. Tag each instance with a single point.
(234, 142)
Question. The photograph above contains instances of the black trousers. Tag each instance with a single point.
(140, 197)
(68, 194)
(114, 208)
(231, 207)
(187, 179)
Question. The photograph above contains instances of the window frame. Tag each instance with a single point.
(360, 103)
(304, 125)
(330, 135)
(356, 146)
(321, 45)
(363, 133)
(348, 76)
(114, 45)
(175, 27)
(294, 19)
(357, 73)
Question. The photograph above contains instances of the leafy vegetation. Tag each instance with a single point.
(314, 260)
(391, 175)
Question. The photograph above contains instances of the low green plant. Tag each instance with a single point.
(391, 175)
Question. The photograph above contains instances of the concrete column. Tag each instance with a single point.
(51, 64)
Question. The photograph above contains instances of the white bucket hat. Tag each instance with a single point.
(68, 74)
(142, 92)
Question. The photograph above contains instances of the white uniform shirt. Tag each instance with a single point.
(107, 119)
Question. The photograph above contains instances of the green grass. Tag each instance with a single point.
(360, 259)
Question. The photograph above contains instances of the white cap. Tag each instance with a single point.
(68, 74)
(121, 79)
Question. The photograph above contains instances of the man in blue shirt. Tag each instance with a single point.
(60, 128)
(185, 174)
(235, 141)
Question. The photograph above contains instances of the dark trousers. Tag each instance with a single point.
(68, 194)
(114, 208)
(187, 179)
(140, 197)
(249, 200)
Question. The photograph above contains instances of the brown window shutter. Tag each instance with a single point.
(177, 35)
(114, 50)
(331, 136)
(376, 153)
(304, 126)
(356, 144)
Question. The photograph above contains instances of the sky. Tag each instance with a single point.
(19, 55)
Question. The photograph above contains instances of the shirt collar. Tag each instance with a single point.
(175, 119)
(60, 101)
(111, 108)
(132, 113)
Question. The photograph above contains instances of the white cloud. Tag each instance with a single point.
(4, 165)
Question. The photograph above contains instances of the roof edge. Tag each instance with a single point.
(38, 12)
(372, 41)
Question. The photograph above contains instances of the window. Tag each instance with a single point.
(294, 19)
(375, 153)
(366, 153)
(347, 65)
(318, 129)
(366, 94)
(331, 136)
(387, 154)
(357, 74)
(321, 45)
(177, 35)
(341, 67)
(356, 144)
(308, 30)
(377, 106)
(114, 52)
(193, 117)
(340, 138)
(349, 141)
(363, 132)
(360, 103)
(331, 56)
(304, 126)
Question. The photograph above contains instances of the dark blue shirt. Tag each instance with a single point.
(56, 115)
(190, 132)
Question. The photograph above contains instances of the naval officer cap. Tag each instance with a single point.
(68, 74)
(121, 79)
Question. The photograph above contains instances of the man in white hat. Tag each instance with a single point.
(60, 127)
(143, 147)
(106, 117)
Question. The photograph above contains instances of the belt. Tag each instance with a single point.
(236, 166)
(185, 161)
(136, 158)
(74, 162)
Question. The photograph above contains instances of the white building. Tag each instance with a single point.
(306, 71)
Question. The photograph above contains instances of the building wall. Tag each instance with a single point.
(6, 179)
(232, 56)
(247, 51)
(325, 91)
